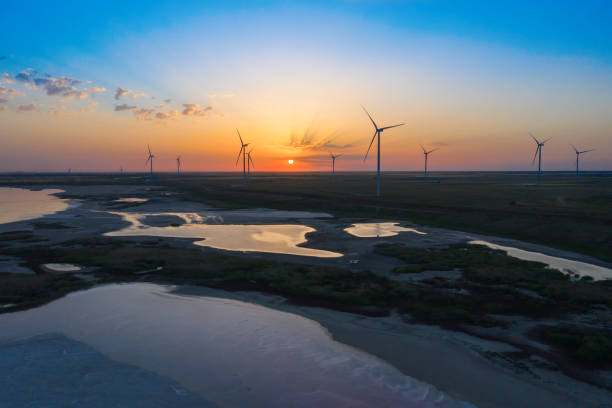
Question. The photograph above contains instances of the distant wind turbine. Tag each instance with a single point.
(377, 132)
(334, 164)
(121, 170)
(426, 153)
(249, 164)
(150, 160)
(178, 165)
(538, 154)
(242, 151)
(578, 153)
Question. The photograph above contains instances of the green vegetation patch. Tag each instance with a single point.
(50, 225)
(16, 236)
(588, 346)
(488, 271)
(26, 291)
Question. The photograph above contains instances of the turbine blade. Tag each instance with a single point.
(369, 147)
(251, 160)
(546, 140)
(536, 154)
(149, 149)
(586, 151)
(533, 137)
(424, 151)
(574, 147)
(374, 123)
(339, 155)
(239, 153)
(431, 151)
(239, 137)
(389, 127)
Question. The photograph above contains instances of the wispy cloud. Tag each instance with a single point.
(309, 140)
(124, 107)
(167, 115)
(135, 95)
(8, 91)
(26, 75)
(142, 113)
(121, 92)
(27, 108)
(95, 89)
(193, 109)
(64, 110)
(7, 78)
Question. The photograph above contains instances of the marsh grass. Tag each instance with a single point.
(592, 347)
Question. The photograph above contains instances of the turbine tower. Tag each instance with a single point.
(426, 153)
(150, 160)
(178, 165)
(249, 163)
(242, 151)
(377, 132)
(538, 154)
(578, 153)
(334, 164)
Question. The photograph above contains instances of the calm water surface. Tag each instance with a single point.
(281, 238)
(564, 265)
(18, 204)
(379, 229)
(231, 352)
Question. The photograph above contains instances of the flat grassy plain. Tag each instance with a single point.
(559, 213)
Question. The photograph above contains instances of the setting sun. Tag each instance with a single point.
(290, 161)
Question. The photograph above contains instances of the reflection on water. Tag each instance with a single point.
(132, 200)
(232, 353)
(61, 267)
(562, 264)
(281, 239)
(379, 229)
(18, 204)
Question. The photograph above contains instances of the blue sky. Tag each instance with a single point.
(43, 29)
(461, 74)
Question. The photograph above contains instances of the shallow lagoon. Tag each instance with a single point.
(272, 238)
(564, 265)
(379, 229)
(18, 204)
(230, 352)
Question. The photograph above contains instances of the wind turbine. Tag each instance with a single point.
(178, 165)
(426, 153)
(243, 152)
(334, 164)
(578, 153)
(377, 132)
(538, 154)
(249, 163)
(150, 159)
